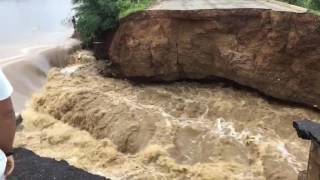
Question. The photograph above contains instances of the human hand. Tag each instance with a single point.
(10, 166)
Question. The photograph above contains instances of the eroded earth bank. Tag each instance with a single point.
(182, 130)
(276, 52)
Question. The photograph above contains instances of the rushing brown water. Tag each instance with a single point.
(181, 130)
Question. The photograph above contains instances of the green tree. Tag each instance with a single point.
(95, 17)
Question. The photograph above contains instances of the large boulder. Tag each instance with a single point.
(277, 53)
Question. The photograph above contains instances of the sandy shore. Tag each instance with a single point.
(183, 130)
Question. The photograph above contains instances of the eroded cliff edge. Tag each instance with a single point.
(277, 53)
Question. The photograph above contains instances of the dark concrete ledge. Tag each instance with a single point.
(30, 166)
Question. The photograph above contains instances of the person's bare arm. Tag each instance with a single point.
(7, 125)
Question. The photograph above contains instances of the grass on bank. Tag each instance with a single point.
(128, 7)
(94, 17)
(315, 12)
(312, 5)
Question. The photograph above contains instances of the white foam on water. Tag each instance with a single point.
(290, 158)
(225, 129)
(70, 70)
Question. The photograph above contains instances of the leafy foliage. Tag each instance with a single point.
(310, 4)
(96, 16)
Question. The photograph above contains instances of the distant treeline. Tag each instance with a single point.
(310, 4)
(94, 17)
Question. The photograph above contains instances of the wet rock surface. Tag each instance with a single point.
(308, 130)
(277, 53)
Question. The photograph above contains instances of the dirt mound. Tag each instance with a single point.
(178, 131)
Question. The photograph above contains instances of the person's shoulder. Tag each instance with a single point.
(6, 89)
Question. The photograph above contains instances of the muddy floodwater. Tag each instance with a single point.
(182, 130)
